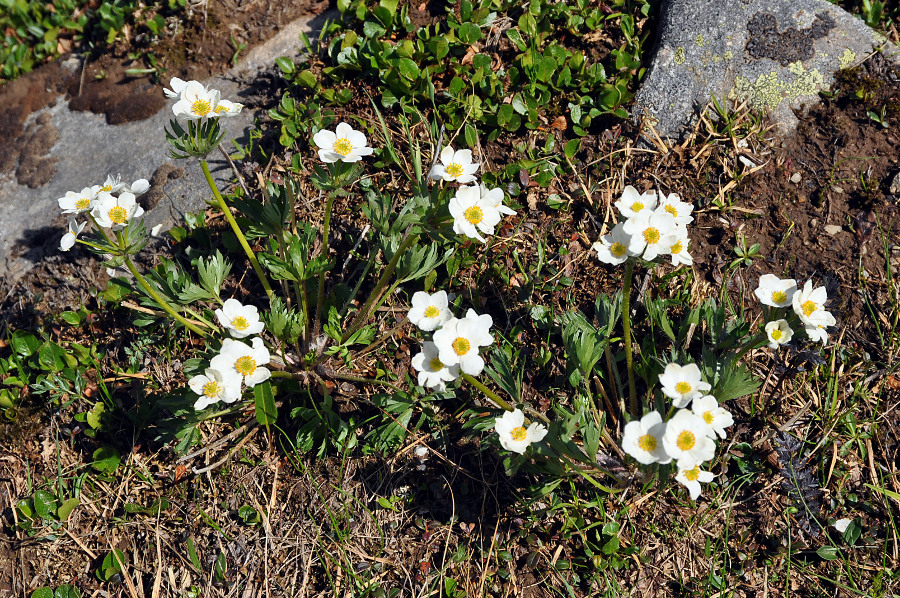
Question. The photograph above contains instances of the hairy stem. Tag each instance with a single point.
(320, 297)
(626, 333)
(237, 231)
(159, 299)
(368, 307)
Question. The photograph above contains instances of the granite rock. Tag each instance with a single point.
(84, 149)
(774, 55)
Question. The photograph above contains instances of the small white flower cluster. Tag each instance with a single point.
(688, 436)
(196, 101)
(237, 363)
(476, 210)
(112, 205)
(808, 304)
(655, 224)
(455, 343)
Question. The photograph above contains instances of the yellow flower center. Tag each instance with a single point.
(211, 389)
(809, 307)
(454, 169)
(435, 364)
(651, 236)
(474, 215)
(676, 248)
(240, 323)
(118, 215)
(618, 249)
(777, 334)
(708, 417)
(519, 434)
(683, 387)
(106, 188)
(220, 109)
(461, 345)
(82, 204)
(343, 146)
(637, 206)
(691, 475)
(671, 210)
(647, 442)
(432, 312)
(686, 440)
(245, 365)
(201, 107)
(779, 297)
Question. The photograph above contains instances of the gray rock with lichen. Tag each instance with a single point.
(773, 55)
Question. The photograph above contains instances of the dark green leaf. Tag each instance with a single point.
(285, 64)
(45, 504)
(264, 400)
(106, 459)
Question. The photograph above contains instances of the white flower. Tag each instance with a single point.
(177, 85)
(68, 239)
(432, 372)
(841, 525)
(345, 144)
(774, 291)
(228, 108)
(196, 102)
(115, 212)
(138, 187)
(76, 203)
(679, 210)
(214, 386)
(715, 417)
(685, 440)
(642, 439)
(455, 166)
(429, 311)
(614, 247)
(779, 333)
(237, 358)
(652, 233)
(633, 202)
(809, 304)
(679, 249)
(459, 339)
(682, 383)
(514, 436)
(473, 212)
(240, 320)
(815, 329)
(113, 184)
(691, 479)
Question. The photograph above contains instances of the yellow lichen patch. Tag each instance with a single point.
(679, 55)
(847, 58)
(768, 91)
(728, 55)
(699, 40)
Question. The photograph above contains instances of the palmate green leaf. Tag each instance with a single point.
(212, 272)
(286, 324)
(584, 346)
(419, 260)
(501, 372)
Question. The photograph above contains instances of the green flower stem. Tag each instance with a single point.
(366, 310)
(487, 391)
(320, 296)
(626, 333)
(158, 298)
(237, 231)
